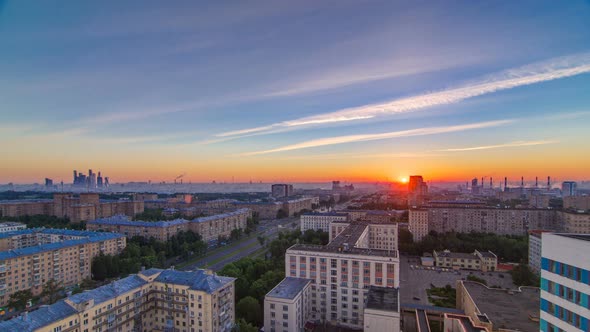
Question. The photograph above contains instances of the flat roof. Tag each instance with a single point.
(583, 237)
(327, 214)
(383, 298)
(122, 220)
(288, 288)
(511, 310)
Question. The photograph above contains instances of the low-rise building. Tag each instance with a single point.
(498, 309)
(152, 300)
(382, 310)
(32, 257)
(575, 222)
(287, 305)
(478, 260)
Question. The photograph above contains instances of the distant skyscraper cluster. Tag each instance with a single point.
(92, 180)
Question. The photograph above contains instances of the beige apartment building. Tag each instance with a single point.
(575, 222)
(210, 228)
(577, 203)
(484, 261)
(152, 300)
(86, 206)
(286, 305)
(342, 273)
(320, 221)
(486, 220)
(32, 257)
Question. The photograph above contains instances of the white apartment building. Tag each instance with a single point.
(287, 306)
(321, 221)
(382, 310)
(342, 273)
(418, 223)
(535, 250)
(565, 282)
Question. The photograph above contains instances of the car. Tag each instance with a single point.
(416, 298)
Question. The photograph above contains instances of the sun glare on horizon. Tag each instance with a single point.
(403, 179)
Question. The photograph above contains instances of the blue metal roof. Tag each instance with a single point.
(43, 316)
(89, 237)
(110, 291)
(196, 280)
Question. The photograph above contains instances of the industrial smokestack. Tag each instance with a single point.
(491, 183)
(536, 182)
(548, 182)
(482, 183)
(505, 183)
(522, 181)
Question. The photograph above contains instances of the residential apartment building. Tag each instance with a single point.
(210, 227)
(31, 257)
(269, 210)
(418, 223)
(320, 221)
(281, 190)
(484, 261)
(10, 226)
(535, 250)
(342, 273)
(87, 206)
(382, 310)
(565, 282)
(575, 222)
(482, 219)
(152, 300)
(577, 203)
(376, 235)
(286, 305)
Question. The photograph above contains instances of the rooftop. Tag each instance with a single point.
(288, 288)
(327, 214)
(196, 280)
(583, 237)
(43, 316)
(508, 309)
(122, 220)
(110, 291)
(454, 254)
(383, 298)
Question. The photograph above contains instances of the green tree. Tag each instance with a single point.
(249, 309)
(19, 299)
(243, 326)
(261, 240)
(523, 276)
(52, 290)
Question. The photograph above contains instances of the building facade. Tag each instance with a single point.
(320, 221)
(281, 190)
(32, 257)
(485, 261)
(565, 282)
(210, 227)
(342, 273)
(418, 223)
(86, 206)
(577, 203)
(10, 226)
(575, 222)
(287, 305)
(152, 300)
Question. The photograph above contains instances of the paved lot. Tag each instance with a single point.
(415, 280)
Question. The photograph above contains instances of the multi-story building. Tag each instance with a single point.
(152, 300)
(575, 222)
(418, 223)
(565, 282)
(482, 219)
(316, 220)
(568, 188)
(31, 257)
(535, 246)
(210, 227)
(270, 210)
(382, 310)
(87, 206)
(281, 190)
(478, 260)
(343, 271)
(286, 305)
(581, 203)
(417, 189)
(9, 226)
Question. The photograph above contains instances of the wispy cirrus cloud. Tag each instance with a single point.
(373, 137)
(499, 146)
(553, 69)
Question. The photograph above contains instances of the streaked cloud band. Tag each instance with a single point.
(498, 146)
(380, 136)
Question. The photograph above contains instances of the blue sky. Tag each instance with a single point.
(229, 88)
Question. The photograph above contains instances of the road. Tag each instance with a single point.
(235, 251)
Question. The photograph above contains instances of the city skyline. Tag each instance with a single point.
(305, 91)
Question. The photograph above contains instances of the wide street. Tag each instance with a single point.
(415, 280)
(245, 246)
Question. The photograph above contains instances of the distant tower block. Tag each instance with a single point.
(548, 182)
(491, 183)
(536, 182)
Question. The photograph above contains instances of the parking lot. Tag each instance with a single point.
(415, 279)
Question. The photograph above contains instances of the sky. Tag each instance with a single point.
(294, 90)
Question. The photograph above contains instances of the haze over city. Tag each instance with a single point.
(302, 91)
